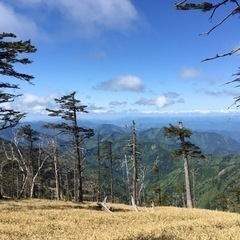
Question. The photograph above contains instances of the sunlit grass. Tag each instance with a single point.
(42, 219)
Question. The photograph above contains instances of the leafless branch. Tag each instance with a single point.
(216, 7)
(134, 205)
(103, 204)
(176, 4)
(222, 55)
(221, 22)
(236, 1)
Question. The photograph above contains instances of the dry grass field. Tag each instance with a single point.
(43, 219)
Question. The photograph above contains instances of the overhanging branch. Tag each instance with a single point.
(222, 21)
(222, 55)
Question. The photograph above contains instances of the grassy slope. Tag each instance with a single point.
(42, 219)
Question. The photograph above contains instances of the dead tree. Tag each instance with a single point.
(30, 161)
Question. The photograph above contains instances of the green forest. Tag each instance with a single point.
(40, 164)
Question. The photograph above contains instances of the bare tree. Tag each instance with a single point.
(134, 168)
(53, 152)
(43, 156)
(30, 157)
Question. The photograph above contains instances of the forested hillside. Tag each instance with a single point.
(160, 180)
(214, 177)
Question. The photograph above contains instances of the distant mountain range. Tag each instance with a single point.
(209, 142)
(224, 125)
(214, 135)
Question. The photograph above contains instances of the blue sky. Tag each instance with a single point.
(124, 57)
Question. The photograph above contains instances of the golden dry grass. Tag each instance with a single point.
(42, 219)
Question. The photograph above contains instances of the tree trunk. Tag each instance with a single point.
(127, 178)
(56, 170)
(67, 187)
(78, 160)
(32, 187)
(34, 177)
(187, 182)
(134, 165)
(111, 174)
(1, 181)
(79, 168)
(75, 182)
(57, 177)
(99, 184)
(186, 170)
(25, 180)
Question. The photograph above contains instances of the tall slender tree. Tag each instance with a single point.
(186, 149)
(9, 52)
(69, 107)
(133, 153)
(135, 163)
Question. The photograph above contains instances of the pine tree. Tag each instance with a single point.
(69, 107)
(186, 149)
(9, 51)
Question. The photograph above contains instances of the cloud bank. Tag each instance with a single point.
(33, 104)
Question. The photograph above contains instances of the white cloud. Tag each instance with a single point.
(196, 112)
(92, 107)
(117, 103)
(11, 21)
(88, 16)
(206, 111)
(100, 13)
(128, 83)
(159, 102)
(33, 104)
(33, 99)
(171, 94)
(162, 102)
(190, 73)
(218, 93)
